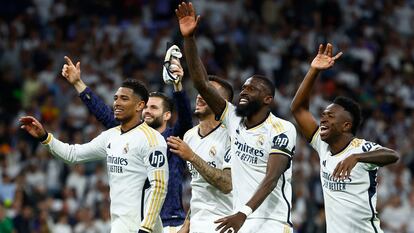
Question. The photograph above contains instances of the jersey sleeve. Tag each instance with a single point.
(285, 142)
(92, 150)
(184, 120)
(316, 141)
(155, 160)
(98, 108)
(366, 147)
(228, 117)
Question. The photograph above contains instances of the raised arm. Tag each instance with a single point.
(300, 104)
(96, 105)
(93, 150)
(221, 179)
(182, 103)
(188, 23)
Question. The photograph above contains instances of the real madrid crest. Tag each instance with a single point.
(260, 140)
(126, 148)
(213, 151)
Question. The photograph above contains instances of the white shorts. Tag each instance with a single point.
(169, 229)
(203, 226)
(256, 225)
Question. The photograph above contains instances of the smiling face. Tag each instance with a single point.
(154, 114)
(335, 121)
(252, 97)
(126, 104)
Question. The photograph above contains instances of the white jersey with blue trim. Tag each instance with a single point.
(250, 151)
(350, 205)
(207, 202)
(132, 157)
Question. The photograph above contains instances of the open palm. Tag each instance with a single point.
(324, 58)
(187, 18)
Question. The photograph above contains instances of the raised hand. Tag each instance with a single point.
(180, 148)
(70, 71)
(187, 18)
(324, 59)
(176, 68)
(32, 126)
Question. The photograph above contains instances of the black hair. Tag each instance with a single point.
(353, 108)
(138, 88)
(167, 103)
(268, 84)
(223, 83)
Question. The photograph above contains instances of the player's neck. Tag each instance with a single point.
(162, 128)
(127, 125)
(340, 143)
(207, 125)
(257, 118)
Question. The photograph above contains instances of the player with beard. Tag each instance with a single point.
(156, 114)
(348, 164)
(262, 144)
(206, 149)
(134, 153)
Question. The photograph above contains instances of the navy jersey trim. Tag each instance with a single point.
(126, 131)
(211, 131)
(147, 185)
(371, 192)
(287, 202)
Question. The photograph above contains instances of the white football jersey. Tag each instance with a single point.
(250, 150)
(132, 157)
(350, 205)
(207, 202)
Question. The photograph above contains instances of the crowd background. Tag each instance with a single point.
(116, 39)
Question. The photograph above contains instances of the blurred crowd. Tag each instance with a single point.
(118, 39)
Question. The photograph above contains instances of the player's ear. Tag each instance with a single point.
(140, 106)
(268, 100)
(347, 126)
(167, 115)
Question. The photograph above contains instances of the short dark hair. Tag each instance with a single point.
(167, 104)
(268, 84)
(223, 83)
(353, 108)
(138, 88)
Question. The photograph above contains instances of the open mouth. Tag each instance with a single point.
(243, 100)
(324, 130)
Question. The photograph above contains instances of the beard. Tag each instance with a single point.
(156, 123)
(248, 109)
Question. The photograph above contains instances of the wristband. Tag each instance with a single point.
(44, 137)
(246, 210)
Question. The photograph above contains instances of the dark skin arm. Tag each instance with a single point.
(276, 165)
(188, 23)
(380, 157)
(300, 104)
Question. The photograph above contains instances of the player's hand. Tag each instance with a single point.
(176, 68)
(231, 223)
(32, 126)
(187, 18)
(184, 229)
(324, 60)
(70, 71)
(180, 148)
(343, 169)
